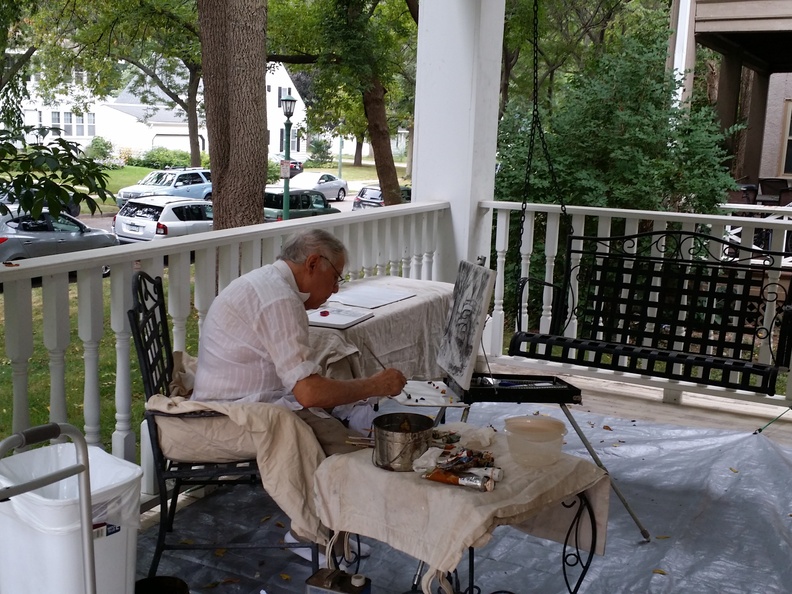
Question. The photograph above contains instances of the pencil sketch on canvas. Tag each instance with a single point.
(471, 300)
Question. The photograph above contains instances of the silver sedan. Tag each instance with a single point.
(333, 188)
(22, 236)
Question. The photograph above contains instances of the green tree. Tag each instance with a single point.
(356, 46)
(159, 39)
(16, 52)
(48, 173)
(617, 138)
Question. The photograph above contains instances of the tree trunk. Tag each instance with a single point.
(358, 162)
(379, 133)
(192, 118)
(234, 51)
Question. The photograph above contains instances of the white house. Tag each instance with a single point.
(134, 128)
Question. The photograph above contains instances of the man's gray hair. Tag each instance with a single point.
(299, 246)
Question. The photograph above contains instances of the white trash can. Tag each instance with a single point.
(40, 539)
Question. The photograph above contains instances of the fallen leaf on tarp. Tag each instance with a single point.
(662, 537)
(280, 524)
(265, 519)
(285, 577)
(220, 552)
(659, 571)
(734, 470)
(10, 264)
(607, 428)
(230, 581)
(186, 541)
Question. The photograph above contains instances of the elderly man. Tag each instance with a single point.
(254, 343)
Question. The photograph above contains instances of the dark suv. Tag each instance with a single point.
(371, 197)
(302, 203)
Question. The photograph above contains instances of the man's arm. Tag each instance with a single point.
(324, 392)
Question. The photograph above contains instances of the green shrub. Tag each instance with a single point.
(159, 158)
(319, 151)
(273, 172)
(100, 149)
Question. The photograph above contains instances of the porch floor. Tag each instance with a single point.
(716, 498)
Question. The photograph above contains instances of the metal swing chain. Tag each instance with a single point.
(536, 125)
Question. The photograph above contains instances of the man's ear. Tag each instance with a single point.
(312, 262)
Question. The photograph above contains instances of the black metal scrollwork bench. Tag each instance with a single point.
(682, 306)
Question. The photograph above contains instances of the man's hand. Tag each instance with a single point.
(388, 382)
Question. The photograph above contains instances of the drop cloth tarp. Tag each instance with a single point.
(718, 505)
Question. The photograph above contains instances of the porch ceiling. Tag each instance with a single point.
(763, 51)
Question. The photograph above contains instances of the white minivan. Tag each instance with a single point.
(160, 217)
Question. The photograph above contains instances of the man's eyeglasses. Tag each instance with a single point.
(340, 280)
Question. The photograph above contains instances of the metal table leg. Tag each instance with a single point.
(598, 462)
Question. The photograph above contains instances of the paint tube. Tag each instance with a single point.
(491, 471)
(480, 483)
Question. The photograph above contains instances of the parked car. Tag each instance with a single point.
(23, 236)
(160, 217)
(72, 208)
(371, 197)
(190, 182)
(332, 187)
(295, 166)
(302, 203)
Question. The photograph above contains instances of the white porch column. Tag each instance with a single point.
(456, 120)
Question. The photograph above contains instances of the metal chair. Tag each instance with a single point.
(775, 191)
(148, 322)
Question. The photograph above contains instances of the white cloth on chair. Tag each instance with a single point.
(285, 448)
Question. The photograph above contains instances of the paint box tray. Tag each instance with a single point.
(498, 387)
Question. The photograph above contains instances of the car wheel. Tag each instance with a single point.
(341, 195)
(208, 197)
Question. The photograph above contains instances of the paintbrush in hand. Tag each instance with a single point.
(381, 364)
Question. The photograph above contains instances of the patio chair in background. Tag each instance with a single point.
(148, 322)
(774, 191)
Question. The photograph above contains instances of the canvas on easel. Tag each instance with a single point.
(469, 307)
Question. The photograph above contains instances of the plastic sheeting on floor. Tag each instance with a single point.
(718, 506)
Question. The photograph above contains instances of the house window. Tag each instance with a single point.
(282, 92)
(79, 76)
(67, 123)
(56, 122)
(79, 128)
(294, 145)
(91, 119)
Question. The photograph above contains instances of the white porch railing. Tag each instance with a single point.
(541, 227)
(400, 240)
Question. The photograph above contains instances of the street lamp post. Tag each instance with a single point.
(288, 102)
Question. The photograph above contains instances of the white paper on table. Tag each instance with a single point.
(337, 317)
(370, 297)
(422, 393)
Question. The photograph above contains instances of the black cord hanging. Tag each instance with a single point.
(536, 128)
